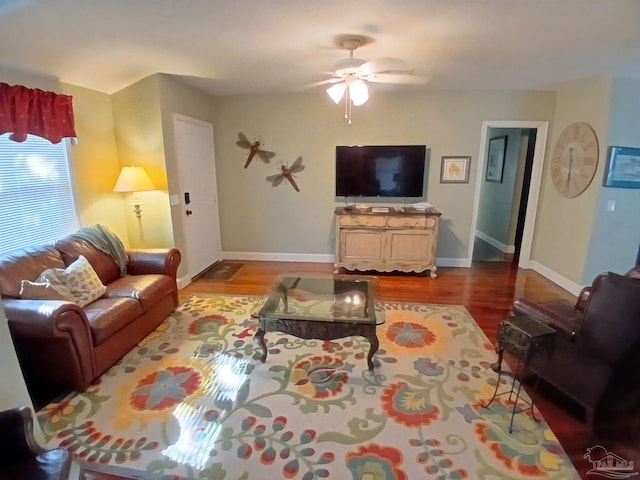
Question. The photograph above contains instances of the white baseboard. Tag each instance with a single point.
(280, 257)
(556, 278)
(495, 243)
(321, 258)
(453, 262)
(183, 281)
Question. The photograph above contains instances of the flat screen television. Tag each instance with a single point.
(380, 171)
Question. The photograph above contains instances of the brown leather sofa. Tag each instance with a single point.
(597, 349)
(62, 346)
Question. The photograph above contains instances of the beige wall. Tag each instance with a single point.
(94, 161)
(564, 225)
(139, 137)
(256, 217)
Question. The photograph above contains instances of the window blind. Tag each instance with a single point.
(36, 195)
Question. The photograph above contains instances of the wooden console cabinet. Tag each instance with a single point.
(404, 240)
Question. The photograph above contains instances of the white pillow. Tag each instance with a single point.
(83, 281)
(54, 278)
(43, 291)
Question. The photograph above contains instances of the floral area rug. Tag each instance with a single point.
(193, 401)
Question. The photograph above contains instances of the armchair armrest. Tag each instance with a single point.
(583, 298)
(160, 260)
(634, 272)
(560, 315)
(20, 454)
(17, 442)
(49, 333)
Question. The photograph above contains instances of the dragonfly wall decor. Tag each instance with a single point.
(254, 149)
(287, 172)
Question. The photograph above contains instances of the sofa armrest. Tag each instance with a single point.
(45, 318)
(53, 333)
(559, 315)
(157, 260)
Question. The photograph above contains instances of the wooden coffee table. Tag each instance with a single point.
(321, 308)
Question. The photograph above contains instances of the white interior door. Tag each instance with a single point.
(199, 194)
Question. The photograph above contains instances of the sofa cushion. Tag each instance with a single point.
(108, 315)
(148, 289)
(25, 264)
(72, 247)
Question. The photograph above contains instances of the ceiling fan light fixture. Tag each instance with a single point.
(336, 92)
(358, 92)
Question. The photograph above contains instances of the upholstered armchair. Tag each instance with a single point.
(20, 455)
(597, 348)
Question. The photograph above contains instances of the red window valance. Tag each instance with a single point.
(31, 110)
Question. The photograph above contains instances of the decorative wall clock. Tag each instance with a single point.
(287, 172)
(574, 159)
(254, 148)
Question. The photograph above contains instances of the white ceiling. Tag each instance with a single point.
(269, 46)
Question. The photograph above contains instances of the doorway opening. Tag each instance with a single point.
(506, 204)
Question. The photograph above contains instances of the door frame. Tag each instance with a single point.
(542, 130)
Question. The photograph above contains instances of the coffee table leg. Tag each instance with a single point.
(259, 337)
(373, 340)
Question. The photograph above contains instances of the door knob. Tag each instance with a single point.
(189, 212)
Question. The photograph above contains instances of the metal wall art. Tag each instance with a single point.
(254, 148)
(287, 172)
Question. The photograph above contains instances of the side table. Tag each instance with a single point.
(524, 338)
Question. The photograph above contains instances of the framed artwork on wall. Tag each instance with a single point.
(623, 168)
(495, 158)
(455, 169)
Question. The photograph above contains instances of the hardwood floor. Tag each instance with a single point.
(487, 290)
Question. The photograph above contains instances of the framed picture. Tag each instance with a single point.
(623, 168)
(495, 158)
(455, 170)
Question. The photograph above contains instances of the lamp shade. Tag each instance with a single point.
(336, 92)
(359, 92)
(133, 179)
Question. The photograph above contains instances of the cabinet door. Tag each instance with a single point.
(361, 246)
(411, 246)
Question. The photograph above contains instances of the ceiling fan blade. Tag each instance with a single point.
(399, 78)
(320, 83)
(383, 64)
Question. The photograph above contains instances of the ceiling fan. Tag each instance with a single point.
(352, 75)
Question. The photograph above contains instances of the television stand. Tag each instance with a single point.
(387, 241)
